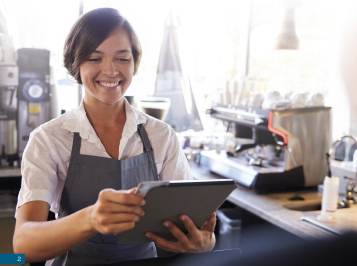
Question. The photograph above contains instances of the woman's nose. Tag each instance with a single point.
(110, 69)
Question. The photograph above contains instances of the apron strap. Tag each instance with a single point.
(76, 147)
(144, 138)
(148, 149)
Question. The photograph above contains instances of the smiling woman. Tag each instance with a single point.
(86, 164)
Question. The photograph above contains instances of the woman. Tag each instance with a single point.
(85, 165)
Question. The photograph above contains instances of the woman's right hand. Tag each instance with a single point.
(116, 211)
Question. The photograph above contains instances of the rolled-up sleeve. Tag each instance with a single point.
(38, 170)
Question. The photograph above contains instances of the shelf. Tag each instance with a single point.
(7, 214)
(10, 172)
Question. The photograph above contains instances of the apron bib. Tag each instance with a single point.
(86, 177)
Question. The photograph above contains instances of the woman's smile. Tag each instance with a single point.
(110, 85)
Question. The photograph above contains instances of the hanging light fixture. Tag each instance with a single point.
(287, 38)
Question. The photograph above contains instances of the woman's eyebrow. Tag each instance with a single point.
(117, 52)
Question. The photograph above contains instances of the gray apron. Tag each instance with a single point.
(86, 177)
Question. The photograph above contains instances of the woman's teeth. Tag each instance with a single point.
(106, 84)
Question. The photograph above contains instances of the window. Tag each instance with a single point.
(213, 40)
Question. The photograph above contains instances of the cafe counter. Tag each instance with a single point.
(295, 211)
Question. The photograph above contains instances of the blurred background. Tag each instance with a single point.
(213, 38)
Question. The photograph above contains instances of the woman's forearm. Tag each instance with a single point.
(44, 240)
(115, 211)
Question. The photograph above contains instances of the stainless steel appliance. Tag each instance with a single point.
(34, 93)
(8, 112)
(8, 100)
(24, 94)
(286, 150)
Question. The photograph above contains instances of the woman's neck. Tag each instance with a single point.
(108, 121)
(105, 115)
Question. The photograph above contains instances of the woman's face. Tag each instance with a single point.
(108, 72)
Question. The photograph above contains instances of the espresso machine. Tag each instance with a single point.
(34, 93)
(24, 94)
(278, 149)
(8, 102)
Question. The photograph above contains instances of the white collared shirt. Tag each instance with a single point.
(47, 155)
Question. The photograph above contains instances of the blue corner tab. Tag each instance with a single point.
(12, 258)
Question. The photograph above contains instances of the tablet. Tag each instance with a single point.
(166, 200)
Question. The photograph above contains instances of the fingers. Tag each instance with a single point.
(196, 240)
(177, 233)
(210, 224)
(113, 229)
(200, 240)
(116, 211)
(120, 196)
(189, 225)
(165, 244)
(107, 219)
(185, 243)
(110, 207)
(131, 191)
(180, 246)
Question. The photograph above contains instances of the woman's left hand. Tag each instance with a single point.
(195, 241)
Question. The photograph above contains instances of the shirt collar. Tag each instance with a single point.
(133, 119)
(77, 121)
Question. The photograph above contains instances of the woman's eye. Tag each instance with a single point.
(123, 60)
(94, 59)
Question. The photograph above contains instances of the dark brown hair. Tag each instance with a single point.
(90, 30)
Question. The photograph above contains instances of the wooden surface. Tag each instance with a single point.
(274, 208)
